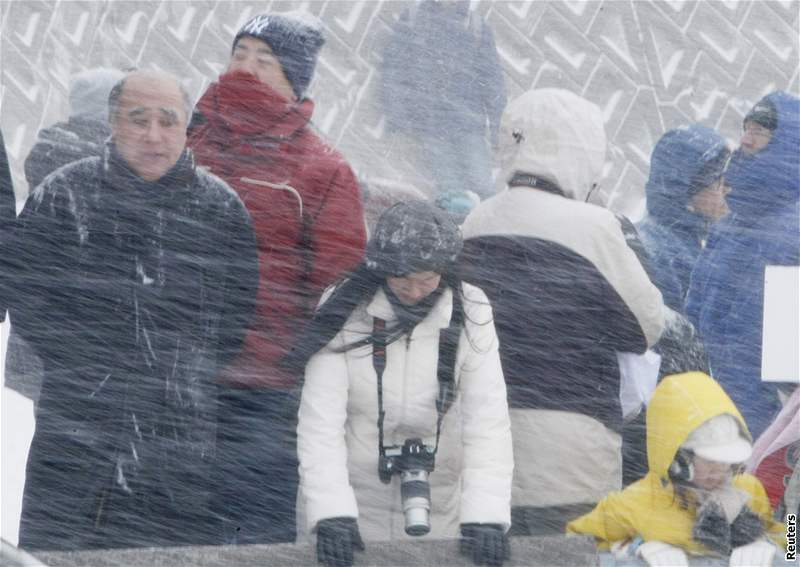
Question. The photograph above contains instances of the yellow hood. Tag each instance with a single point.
(680, 404)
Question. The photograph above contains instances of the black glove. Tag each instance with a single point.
(712, 529)
(336, 539)
(746, 528)
(487, 544)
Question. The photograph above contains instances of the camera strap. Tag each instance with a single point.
(448, 338)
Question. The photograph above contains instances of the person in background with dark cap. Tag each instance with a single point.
(253, 129)
(758, 126)
(83, 134)
(138, 284)
(685, 196)
(404, 344)
(726, 294)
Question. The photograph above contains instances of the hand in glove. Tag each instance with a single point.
(336, 539)
(757, 554)
(712, 529)
(487, 544)
(660, 554)
(748, 527)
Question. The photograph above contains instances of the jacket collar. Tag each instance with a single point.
(119, 176)
(520, 179)
(438, 318)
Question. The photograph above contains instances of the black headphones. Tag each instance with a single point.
(681, 471)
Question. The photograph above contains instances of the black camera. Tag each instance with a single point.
(414, 461)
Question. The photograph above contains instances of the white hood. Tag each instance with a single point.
(556, 135)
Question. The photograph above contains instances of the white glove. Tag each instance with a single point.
(757, 554)
(660, 554)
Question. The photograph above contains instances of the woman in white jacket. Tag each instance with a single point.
(361, 402)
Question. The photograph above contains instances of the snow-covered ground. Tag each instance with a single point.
(16, 430)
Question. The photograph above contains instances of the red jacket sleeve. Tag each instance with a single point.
(337, 231)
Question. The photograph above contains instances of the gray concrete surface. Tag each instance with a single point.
(527, 551)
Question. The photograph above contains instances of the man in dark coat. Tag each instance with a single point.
(139, 280)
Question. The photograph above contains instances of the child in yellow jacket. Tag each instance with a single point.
(694, 498)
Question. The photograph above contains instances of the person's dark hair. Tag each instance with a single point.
(413, 236)
(763, 113)
(331, 316)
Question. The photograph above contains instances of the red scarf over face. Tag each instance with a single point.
(239, 105)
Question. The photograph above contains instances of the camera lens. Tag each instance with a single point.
(416, 494)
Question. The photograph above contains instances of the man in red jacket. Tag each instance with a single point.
(252, 128)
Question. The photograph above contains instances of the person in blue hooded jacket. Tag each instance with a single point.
(685, 197)
(726, 294)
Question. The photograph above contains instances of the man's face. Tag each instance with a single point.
(755, 137)
(149, 128)
(254, 56)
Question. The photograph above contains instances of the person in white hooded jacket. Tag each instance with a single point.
(567, 293)
(374, 384)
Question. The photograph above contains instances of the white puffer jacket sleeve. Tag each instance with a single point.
(486, 427)
(322, 447)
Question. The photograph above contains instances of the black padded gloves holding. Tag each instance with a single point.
(336, 540)
(713, 530)
(487, 544)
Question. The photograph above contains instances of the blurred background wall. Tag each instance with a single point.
(650, 65)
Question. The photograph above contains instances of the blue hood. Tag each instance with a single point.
(684, 161)
(769, 180)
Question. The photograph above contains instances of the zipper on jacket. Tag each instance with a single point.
(406, 379)
(98, 521)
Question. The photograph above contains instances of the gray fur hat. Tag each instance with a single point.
(414, 236)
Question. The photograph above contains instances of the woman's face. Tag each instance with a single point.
(413, 288)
